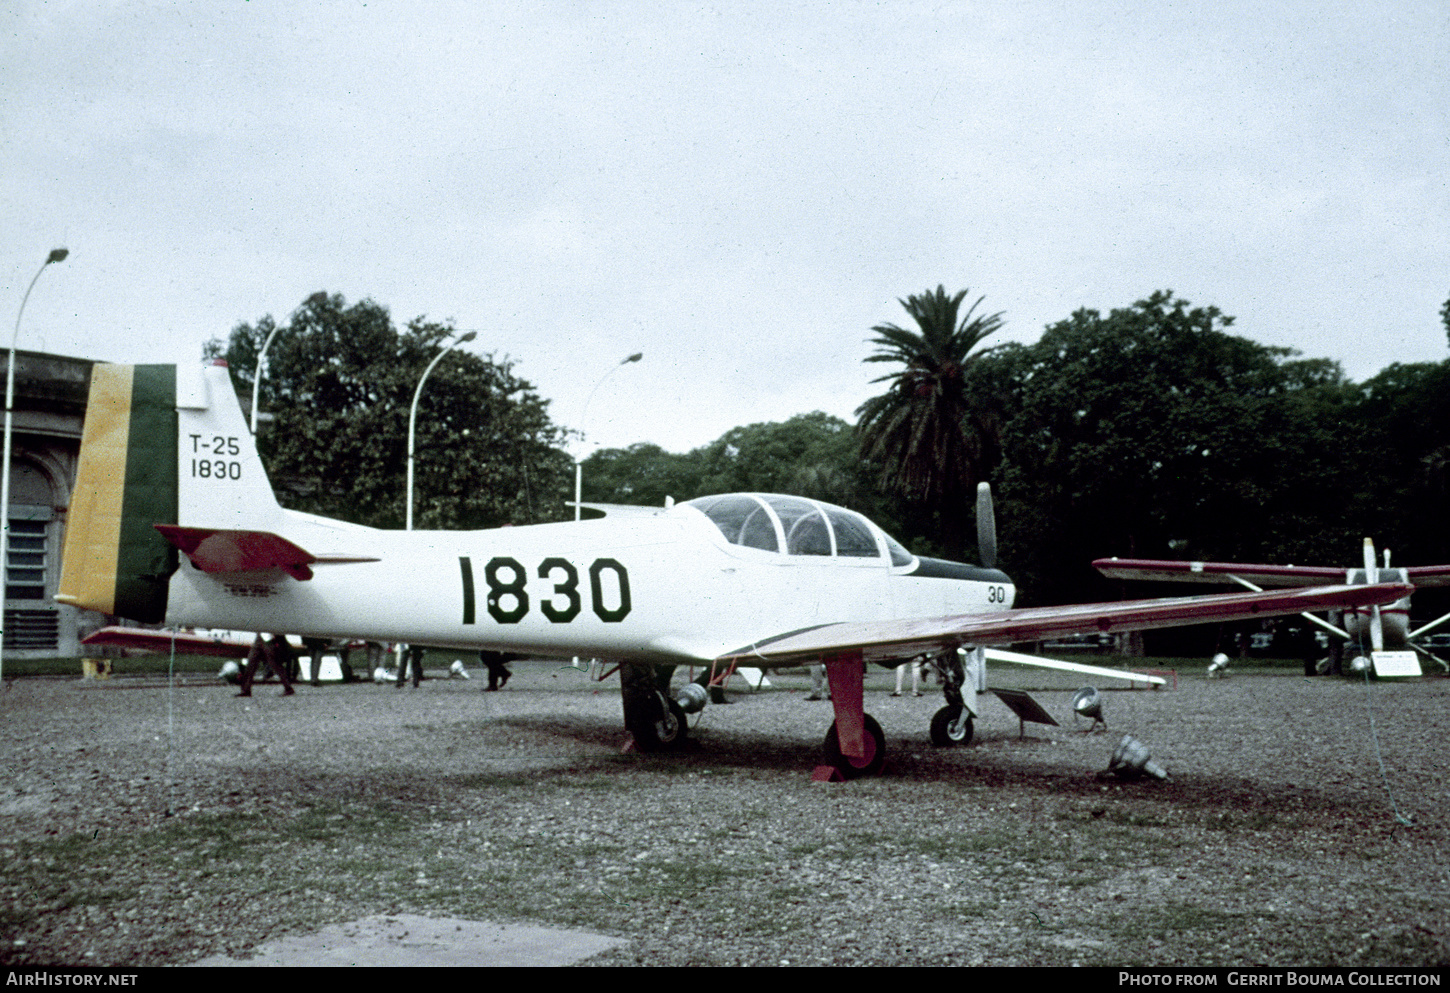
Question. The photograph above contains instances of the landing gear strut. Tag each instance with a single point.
(656, 721)
(845, 672)
(849, 766)
(952, 725)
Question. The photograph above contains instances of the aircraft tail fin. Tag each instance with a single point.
(157, 448)
(114, 559)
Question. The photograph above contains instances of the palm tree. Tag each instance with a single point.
(930, 438)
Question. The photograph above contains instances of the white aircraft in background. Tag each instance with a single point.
(167, 464)
(1370, 630)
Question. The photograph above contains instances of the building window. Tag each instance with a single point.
(33, 630)
(25, 568)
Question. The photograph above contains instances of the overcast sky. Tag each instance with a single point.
(738, 190)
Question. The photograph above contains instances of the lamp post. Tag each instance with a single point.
(413, 414)
(583, 419)
(257, 376)
(56, 255)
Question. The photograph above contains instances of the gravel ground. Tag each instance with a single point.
(146, 825)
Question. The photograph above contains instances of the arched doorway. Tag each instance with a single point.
(32, 619)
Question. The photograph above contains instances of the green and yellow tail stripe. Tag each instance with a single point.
(115, 561)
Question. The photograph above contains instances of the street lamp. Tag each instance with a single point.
(583, 419)
(56, 255)
(257, 376)
(413, 414)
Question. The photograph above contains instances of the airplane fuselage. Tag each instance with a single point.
(1394, 619)
(174, 521)
(661, 586)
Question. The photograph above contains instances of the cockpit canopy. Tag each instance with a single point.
(797, 526)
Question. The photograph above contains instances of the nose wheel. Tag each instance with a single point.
(664, 731)
(656, 721)
(950, 726)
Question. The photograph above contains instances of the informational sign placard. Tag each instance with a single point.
(1393, 665)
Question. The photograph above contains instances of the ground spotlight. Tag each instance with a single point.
(1089, 703)
(1131, 759)
(692, 698)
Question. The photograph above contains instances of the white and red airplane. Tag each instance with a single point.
(1370, 630)
(174, 522)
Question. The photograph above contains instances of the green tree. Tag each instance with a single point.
(931, 438)
(338, 386)
(1401, 422)
(643, 475)
(812, 455)
(808, 455)
(1153, 432)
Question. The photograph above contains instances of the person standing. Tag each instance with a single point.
(915, 666)
(315, 648)
(498, 670)
(277, 654)
(376, 651)
(818, 683)
(412, 658)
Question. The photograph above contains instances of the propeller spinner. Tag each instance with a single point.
(986, 527)
(1376, 622)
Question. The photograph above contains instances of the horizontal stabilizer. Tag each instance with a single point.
(220, 550)
(214, 550)
(621, 509)
(889, 640)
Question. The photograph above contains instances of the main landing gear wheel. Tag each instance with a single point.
(849, 766)
(951, 726)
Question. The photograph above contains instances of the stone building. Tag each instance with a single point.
(50, 407)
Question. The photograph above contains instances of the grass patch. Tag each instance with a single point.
(365, 857)
(1007, 843)
(1138, 819)
(1179, 917)
(139, 665)
(843, 847)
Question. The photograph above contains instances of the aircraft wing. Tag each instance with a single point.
(150, 640)
(880, 641)
(1222, 573)
(1429, 575)
(1225, 573)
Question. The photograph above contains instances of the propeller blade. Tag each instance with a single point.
(1376, 631)
(986, 527)
(1370, 572)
